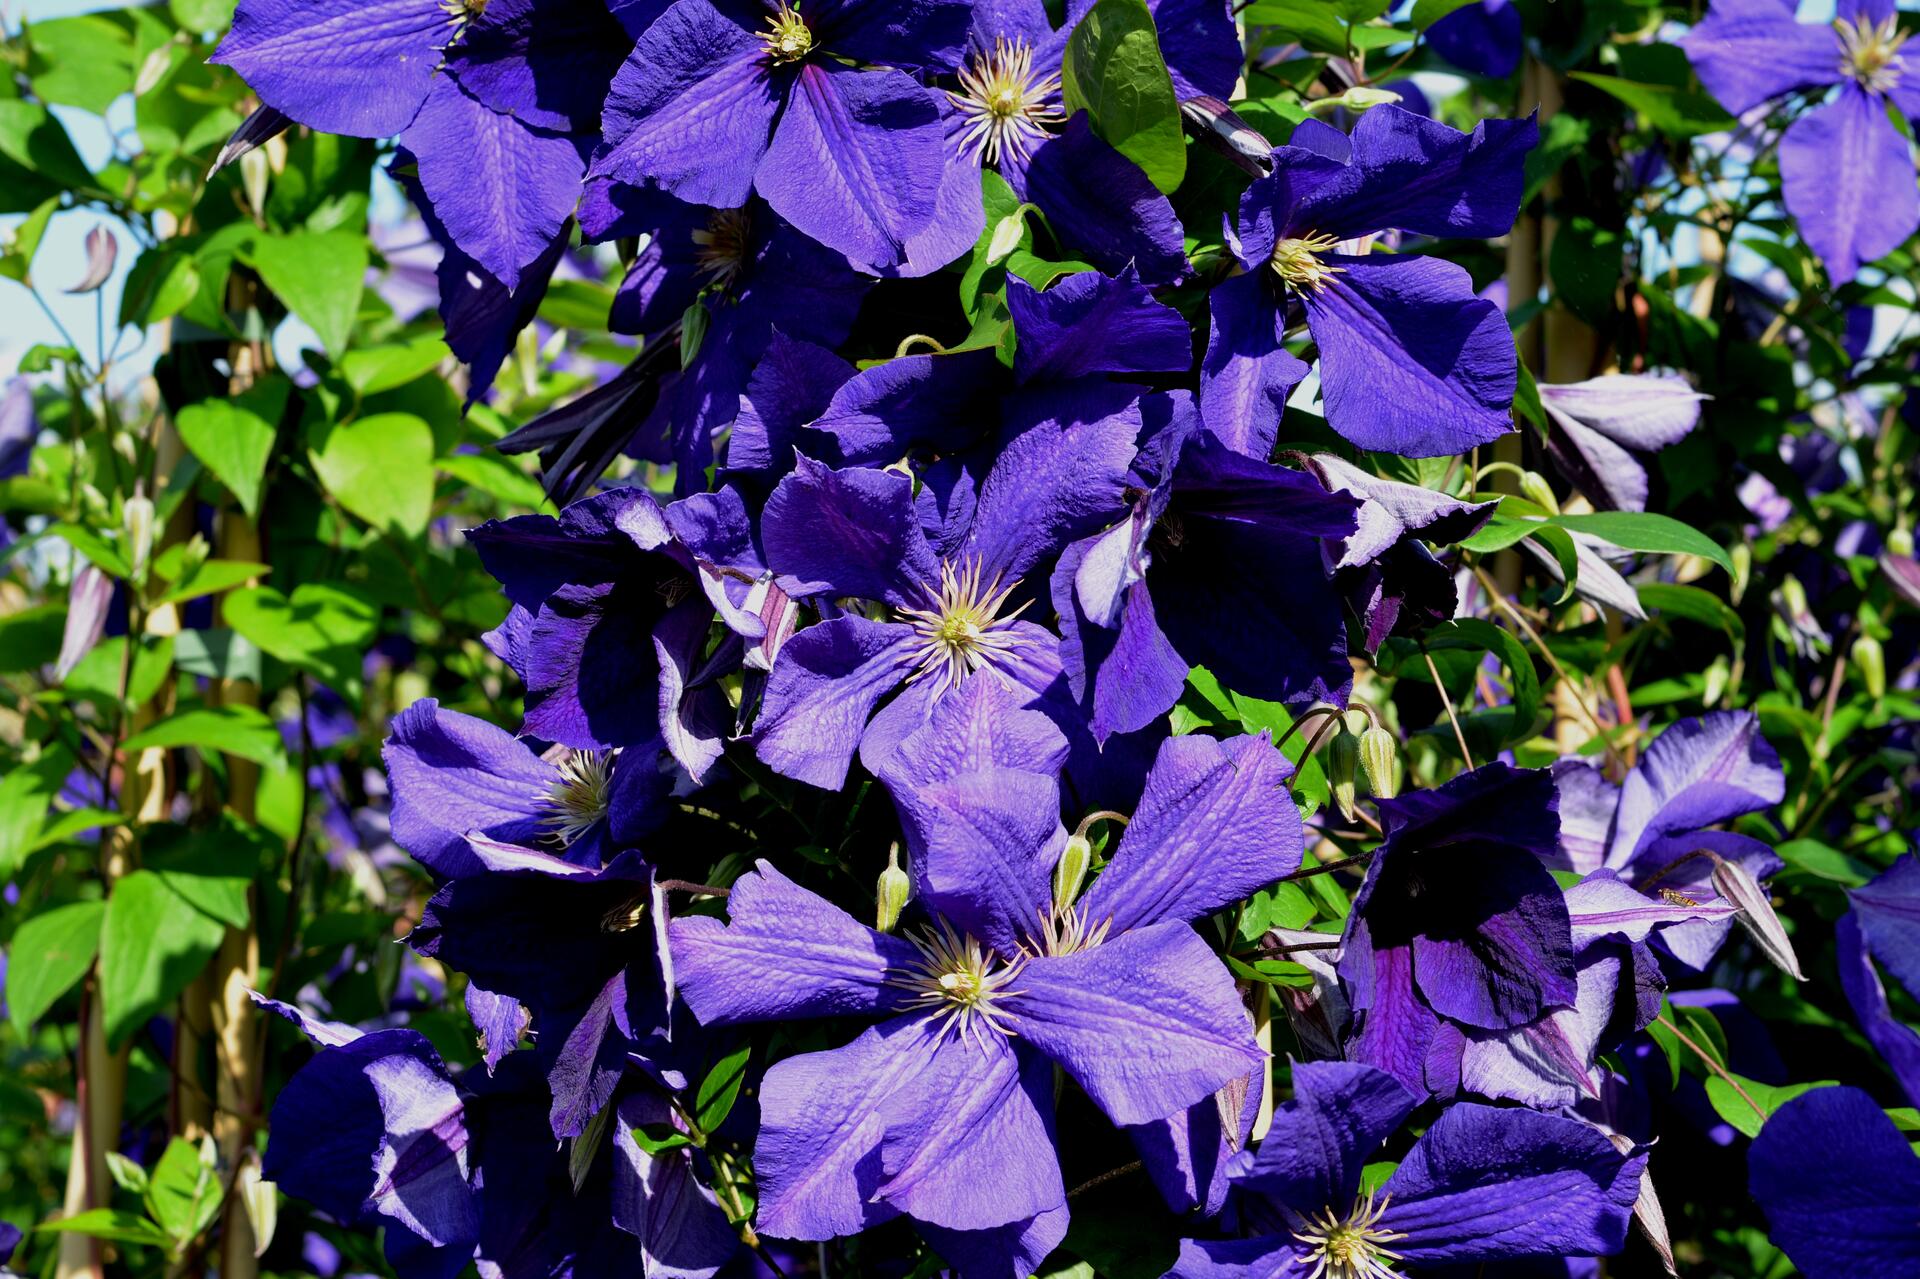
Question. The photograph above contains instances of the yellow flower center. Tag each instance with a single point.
(787, 37)
(578, 797)
(1297, 261)
(1005, 103)
(958, 981)
(1351, 1247)
(1869, 51)
(961, 629)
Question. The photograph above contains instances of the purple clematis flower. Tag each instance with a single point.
(814, 110)
(1598, 425)
(1143, 602)
(452, 775)
(1884, 927)
(1651, 832)
(1485, 38)
(1838, 1181)
(1834, 160)
(948, 563)
(1481, 1185)
(1007, 113)
(608, 628)
(943, 1111)
(1411, 361)
(1458, 925)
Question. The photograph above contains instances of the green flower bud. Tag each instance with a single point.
(137, 517)
(1534, 487)
(1377, 751)
(1900, 541)
(1070, 872)
(1742, 555)
(1342, 764)
(892, 894)
(1717, 676)
(1872, 665)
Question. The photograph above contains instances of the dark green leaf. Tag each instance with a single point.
(319, 275)
(1114, 72)
(713, 1102)
(229, 730)
(50, 952)
(154, 942)
(1645, 531)
(380, 468)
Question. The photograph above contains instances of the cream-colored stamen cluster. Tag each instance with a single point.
(787, 36)
(1006, 103)
(1870, 51)
(721, 246)
(959, 982)
(1353, 1247)
(579, 796)
(961, 629)
(1297, 261)
(1068, 932)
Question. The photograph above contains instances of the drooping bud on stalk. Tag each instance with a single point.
(1377, 751)
(892, 894)
(1070, 872)
(1342, 764)
(1534, 487)
(1742, 569)
(1872, 664)
(1900, 541)
(137, 519)
(1718, 674)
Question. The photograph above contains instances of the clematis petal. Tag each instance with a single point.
(1092, 323)
(692, 109)
(1612, 478)
(923, 34)
(358, 67)
(1510, 957)
(1484, 1183)
(822, 690)
(1411, 361)
(1270, 1257)
(1148, 1022)
(1484, 39)
(1396, 1030)
(856, 160)
(1013, 1251)
(786, 952)
(1320, 1141)
(849, 532)
(1124, 665)
(1696, 773)
(591, 674)
(1390, 511)
(1832, 166)
(1587, 801)
(1100, 202)
(1549, 1063)
(1425, 177)
(1888, 912)
(1645, 411)
(793, 384)
(1214, 825)
(547, 62)
(1837, 1181)
(1897, 1043)
(681, 1226)
(1747, 51)
(985, 844)
(882, 413)
(451, 774)
(1602, 905)
(1188, 1154)
(1246, 374)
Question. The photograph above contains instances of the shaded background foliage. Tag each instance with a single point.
(233, 500)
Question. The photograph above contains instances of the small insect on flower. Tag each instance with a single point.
(1297, 261)
(579, 796)
(1353, 1247)
(787, 37)
(962, 630)
(1007, 104)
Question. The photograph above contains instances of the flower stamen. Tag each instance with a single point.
(1005, 103)
(1066, 932)
(1352, 1247)
(1297, 261)
(787, 37)
(961, 630)
(579, 797)
(958, 982)
(721, 251)
(1870, 51)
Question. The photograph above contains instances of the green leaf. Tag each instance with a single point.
(319, 275)
(64, 824)
(1680, 113)
(108, 1223)
(1586, 262)
(1694, 604)
(159, 287)
(51, 951)
(1314, 22)
(1114, 72)
(32, 137)
(26, 793)
(182, 1193)
(379, 467)
(1645, 531)
(1821, 860)
(489, 472)
(84, 62)
(202, 15)
(1512, 723)
(212, 576)
(661, 1141)
(229, 730)
(30, 638)
(1281, 906)
(714, 1099)
(234, 439)
(152, 945)
(17, 262)
(104, 554)
(211, 867)
(321, 629)
(372, 370)
(1736, 1110)
(1428, 12)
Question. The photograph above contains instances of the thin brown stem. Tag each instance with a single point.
(1109, 1175)
(1327, 867)
(1446, 700)
(1714, 1066)
(1526, 627)
(688, 886)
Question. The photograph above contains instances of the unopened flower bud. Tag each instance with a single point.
(892, 894)
(1742, 555)
(1872, 665)
(1070, 872)
(137, 519)
(1534, 487)
(1342, 764)
(1377, 751)
(1716, 686)
(1900, 541)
